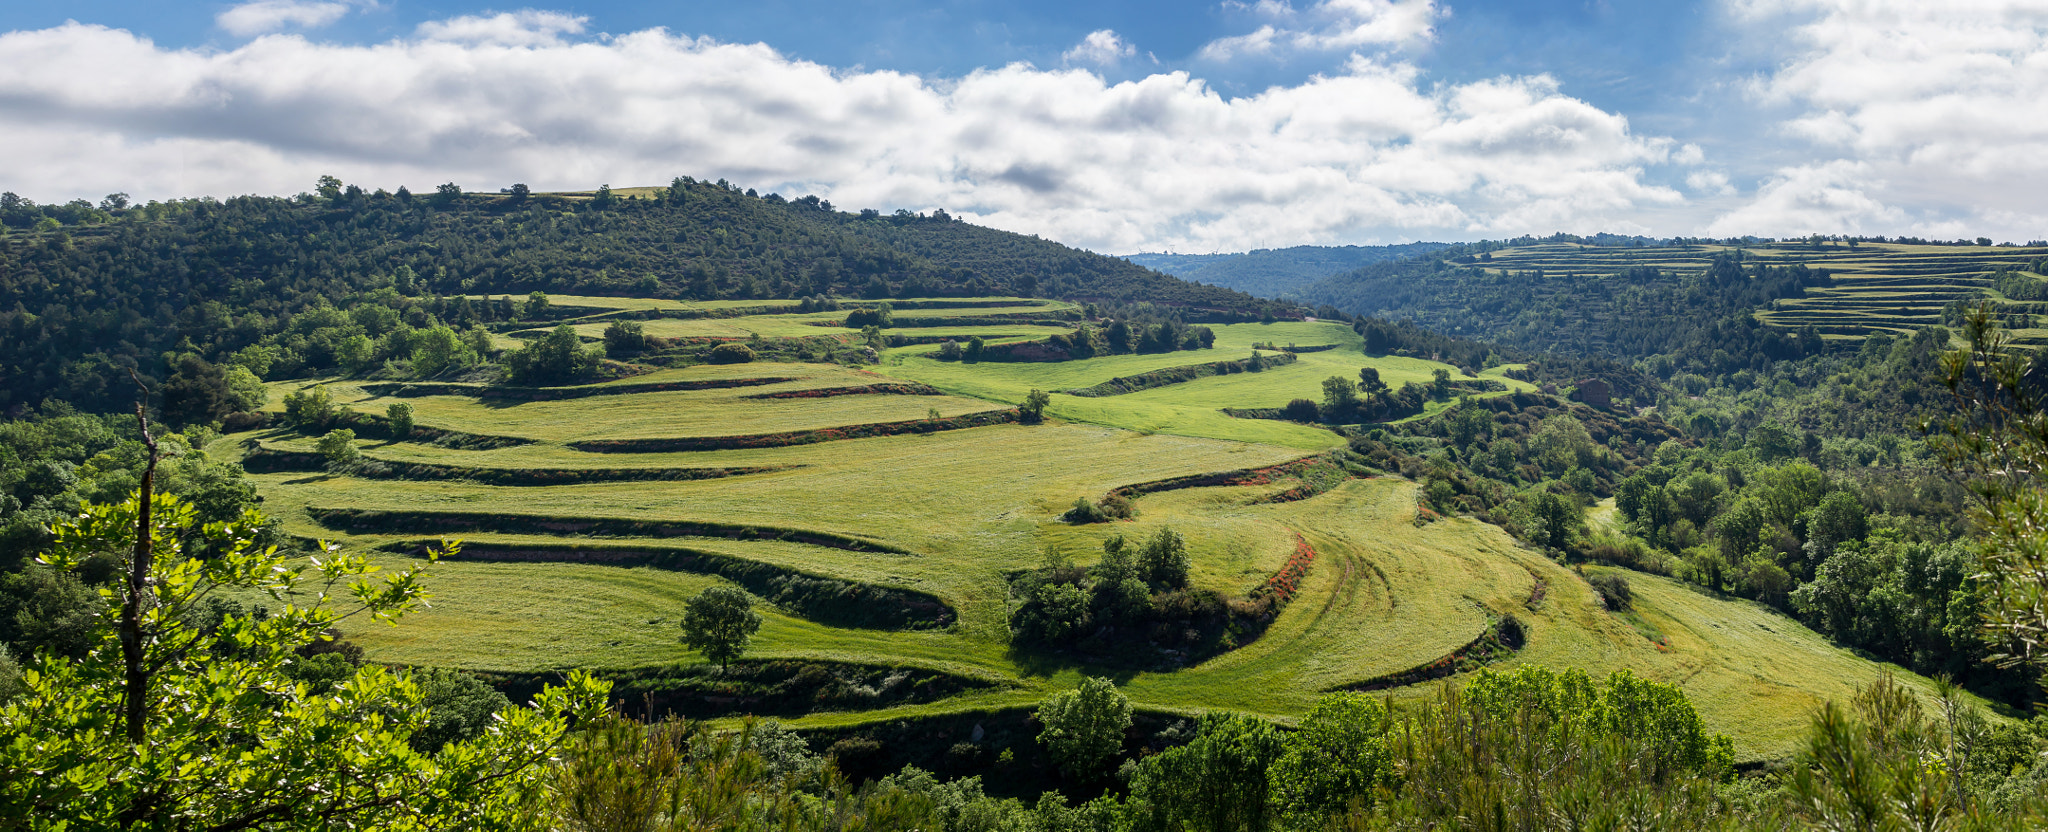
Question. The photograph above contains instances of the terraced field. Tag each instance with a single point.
(1879, 287)
(600, 508)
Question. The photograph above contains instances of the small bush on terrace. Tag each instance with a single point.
(1113, 507)
(731, 354)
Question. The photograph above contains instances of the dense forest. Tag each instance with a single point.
(1633, 313)
(88, 291)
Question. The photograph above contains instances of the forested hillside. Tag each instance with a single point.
(86, 291)
(1276, 273)
(1629, 298)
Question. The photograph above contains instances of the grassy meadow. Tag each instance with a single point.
(1386, 594)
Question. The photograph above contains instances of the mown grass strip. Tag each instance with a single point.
(683, 444)
(360, 521)
(547, 394)
(834, 602)
(1501, 640)
(1180, 375)
(882, 389)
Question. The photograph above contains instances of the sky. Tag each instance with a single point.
(1118, 127)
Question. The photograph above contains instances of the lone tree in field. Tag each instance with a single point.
(719, 622)
(1084, 727)
(1032, 411)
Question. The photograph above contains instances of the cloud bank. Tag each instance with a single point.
(1922, 117)
(265, 16)
(1163, 161)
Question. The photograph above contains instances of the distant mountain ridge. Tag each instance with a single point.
(1279, 272)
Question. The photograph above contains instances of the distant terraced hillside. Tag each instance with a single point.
(1877, 287)
(1632, 301)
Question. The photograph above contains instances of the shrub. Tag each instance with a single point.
(400, 415)
(1118, 506)
(880, 316)
(1084, 511)
(309, 408)
(339, 446)
(1614, 590)
(731, 354)
(1301, 410)
(951, 351)
(1113, 507)
(624, 337)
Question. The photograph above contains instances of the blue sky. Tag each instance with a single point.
(1119, 126)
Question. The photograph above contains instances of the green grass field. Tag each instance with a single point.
(968, 506)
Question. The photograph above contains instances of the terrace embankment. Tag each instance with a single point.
(685, 444)
(267, 460)
(1180, 375)
(760, 687)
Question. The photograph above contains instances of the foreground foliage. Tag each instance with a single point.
(171, 722)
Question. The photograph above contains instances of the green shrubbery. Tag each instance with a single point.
(730, 354)
(1137, 594)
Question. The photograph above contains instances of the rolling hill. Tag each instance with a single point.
(1631, 301)
(879, 511)
(81, 302)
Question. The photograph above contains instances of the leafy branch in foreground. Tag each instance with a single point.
(1999, 437)
(168, 724)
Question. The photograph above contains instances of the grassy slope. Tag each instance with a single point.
(1385, 595)
(1192, 408)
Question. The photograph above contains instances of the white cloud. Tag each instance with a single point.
(1163, 161)
(521, 28)
(1936, 107)
(266, 16)
(1101, 47)
(1709, 182)
(1330, 25)
(1831, 198)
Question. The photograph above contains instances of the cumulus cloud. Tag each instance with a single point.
(1709, 182)
(1101, 47)
(265, 16)
(1330, 25)
(1922, 115)
(522, 28)
(1367, 151)
(1830, 198)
